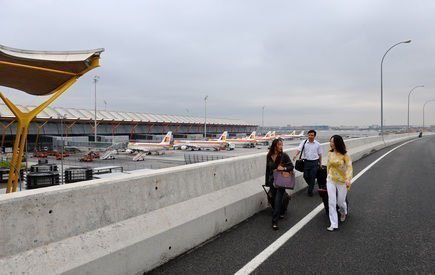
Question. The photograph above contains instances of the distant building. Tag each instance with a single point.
(70, 122)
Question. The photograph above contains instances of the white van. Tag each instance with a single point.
(231, 146)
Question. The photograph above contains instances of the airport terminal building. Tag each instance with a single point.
(78, 124)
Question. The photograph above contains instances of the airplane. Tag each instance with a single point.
(215, 144)
(268, 137)
(293, 135)
(150, 147)
(249, 141)
(301, 135)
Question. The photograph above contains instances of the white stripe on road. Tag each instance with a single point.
(265, 254)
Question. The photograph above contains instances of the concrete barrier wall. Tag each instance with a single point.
(133, 223)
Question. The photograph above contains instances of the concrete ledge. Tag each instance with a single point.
(210, 198)
(37, 217)
(146, 241)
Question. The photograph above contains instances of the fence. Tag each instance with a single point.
(196, 158)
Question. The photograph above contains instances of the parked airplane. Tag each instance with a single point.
(245, 142)
(301, 135)
(293, 135)
(215, 144)
(150, 147)
(268, 137)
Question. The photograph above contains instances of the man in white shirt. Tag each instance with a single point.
(312, 156)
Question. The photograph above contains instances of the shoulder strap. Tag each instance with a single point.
(303, 147)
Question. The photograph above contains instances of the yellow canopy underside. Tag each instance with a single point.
(42, 72)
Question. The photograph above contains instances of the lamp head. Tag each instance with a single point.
(408, 41)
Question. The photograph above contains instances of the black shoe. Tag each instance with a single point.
(281, 216)
(275, 226)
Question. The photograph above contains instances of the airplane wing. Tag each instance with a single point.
(191, 146)
(186, 146)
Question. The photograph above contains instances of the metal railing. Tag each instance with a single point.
(196, 158)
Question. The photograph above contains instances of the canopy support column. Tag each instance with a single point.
(68, 127)
(24, 120)
(38, 131)
(4, 131)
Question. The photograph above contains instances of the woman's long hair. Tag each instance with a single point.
(339, 144)
(273, 147)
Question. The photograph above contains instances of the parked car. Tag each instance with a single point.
(86, 158)
(60, 156)
(39, 155)
(94, 155)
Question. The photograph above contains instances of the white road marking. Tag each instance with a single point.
(265, 254)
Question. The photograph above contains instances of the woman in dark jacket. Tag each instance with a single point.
(277, 159)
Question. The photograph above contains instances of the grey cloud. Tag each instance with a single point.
(308, 62)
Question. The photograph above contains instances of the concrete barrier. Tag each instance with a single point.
(132, 223)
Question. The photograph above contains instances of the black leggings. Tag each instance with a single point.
(278, 207)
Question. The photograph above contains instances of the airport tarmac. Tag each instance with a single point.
(169, 158)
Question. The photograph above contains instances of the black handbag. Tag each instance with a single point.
(300, 163)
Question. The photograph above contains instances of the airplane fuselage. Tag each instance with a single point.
(199, 144)
(148, 147)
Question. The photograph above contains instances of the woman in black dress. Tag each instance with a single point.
(277, 159)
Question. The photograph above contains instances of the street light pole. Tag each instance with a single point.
(262, 118)
(409, 96)
(382, 96)
(62, 118)
(205, 116)
(424, 105)
(96, 78)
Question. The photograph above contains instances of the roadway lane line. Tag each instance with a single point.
(265, 254)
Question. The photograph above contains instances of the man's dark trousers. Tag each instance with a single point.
(310, 173)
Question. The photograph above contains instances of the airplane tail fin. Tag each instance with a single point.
(268, 134)
(302, 133)
(273, 134)
(252, 135)
(167, 140)
(293, 133)
(223, 137)
(130, 145)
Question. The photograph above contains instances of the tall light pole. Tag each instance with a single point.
(96, 78)
(382, 95)
(424, 106)
(205, 116)
(62, 118)
(409, 96)
(262, 118)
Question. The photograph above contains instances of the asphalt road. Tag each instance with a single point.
(390, 226)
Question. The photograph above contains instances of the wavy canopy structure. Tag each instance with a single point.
(43, 72)
(38, 73)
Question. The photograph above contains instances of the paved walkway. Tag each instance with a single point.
(390, 228)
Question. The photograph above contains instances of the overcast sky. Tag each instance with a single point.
(307, 62)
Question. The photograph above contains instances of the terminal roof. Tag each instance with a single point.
(55, 113)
